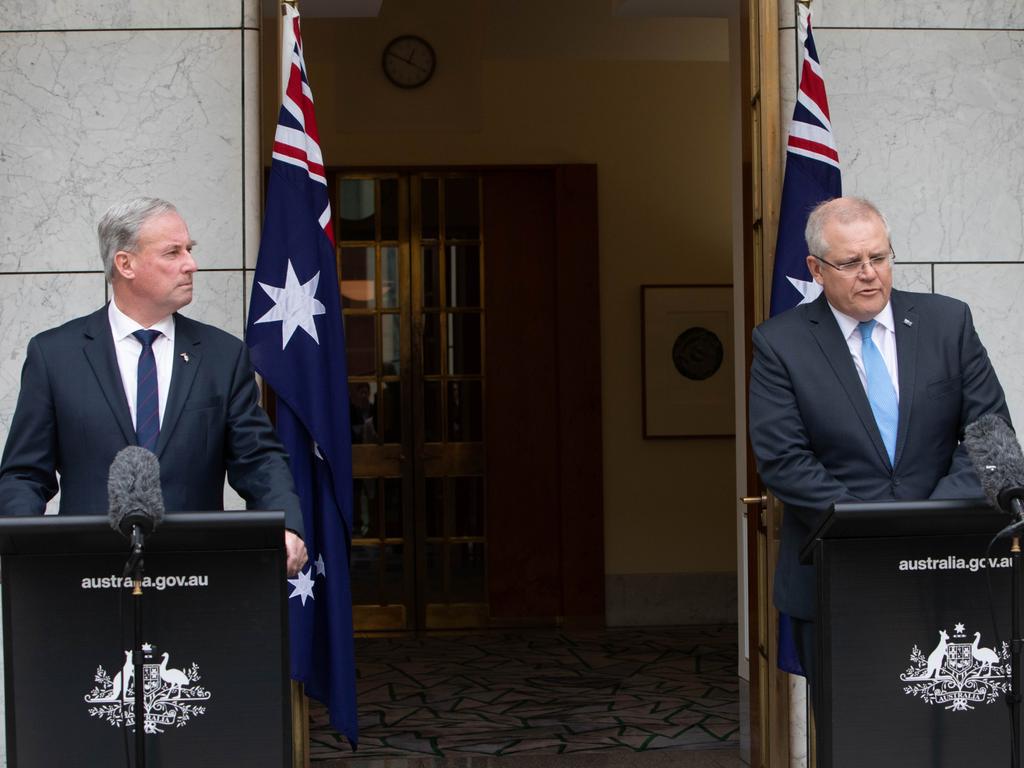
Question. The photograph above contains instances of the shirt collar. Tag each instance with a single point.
(122, 326)
(847, 325)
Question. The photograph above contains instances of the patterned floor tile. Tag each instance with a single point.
(534, 693)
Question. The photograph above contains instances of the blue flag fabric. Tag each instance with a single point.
(296, 341)
(812, 176)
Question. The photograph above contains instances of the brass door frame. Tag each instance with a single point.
(772, 745)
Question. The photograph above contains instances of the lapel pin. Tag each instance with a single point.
(184, 355)
(906, 322)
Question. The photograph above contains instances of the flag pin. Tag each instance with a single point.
(184, 355)
(906, 322)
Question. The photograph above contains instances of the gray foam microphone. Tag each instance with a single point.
(997, 458)
(133, 490)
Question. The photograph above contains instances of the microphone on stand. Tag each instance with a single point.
(133, 490)
(136, 507)
(997, 458)
(136, 502)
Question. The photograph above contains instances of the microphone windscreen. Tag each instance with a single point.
(133, 490)
(996, 456)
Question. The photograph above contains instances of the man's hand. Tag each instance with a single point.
(295, 548)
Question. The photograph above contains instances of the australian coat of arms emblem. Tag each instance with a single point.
(958, 674)
(172, 696)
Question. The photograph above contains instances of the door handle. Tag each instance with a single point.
(751, 501)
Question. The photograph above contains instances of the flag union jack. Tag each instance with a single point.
(297, 139)
(812, 176)
(810, 133)
(297, 343)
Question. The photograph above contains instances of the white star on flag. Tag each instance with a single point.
(809, 289)
(321, 568)
(303, 584)
(294, 305)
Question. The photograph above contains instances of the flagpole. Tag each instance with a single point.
(285, 40)
(299, 702)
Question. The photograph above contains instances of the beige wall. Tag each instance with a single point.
(573, 85)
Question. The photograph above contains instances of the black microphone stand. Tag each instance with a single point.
(134, 567)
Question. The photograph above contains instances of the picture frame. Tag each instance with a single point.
(687, 361)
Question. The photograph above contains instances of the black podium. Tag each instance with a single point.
(913, 673)
(215, 624)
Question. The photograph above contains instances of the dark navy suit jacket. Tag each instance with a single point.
(815, 437)
(72, 418)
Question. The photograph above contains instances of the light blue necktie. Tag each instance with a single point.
(147, 401)
(881, 393)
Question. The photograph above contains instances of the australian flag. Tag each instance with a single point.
(296, 340)
(812, 176)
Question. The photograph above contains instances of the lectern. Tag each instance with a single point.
(214, 623)
(913, 670)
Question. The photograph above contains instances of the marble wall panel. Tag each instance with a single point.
(30, 304)
(90, 118)
(911, 14)
(121, 14)
(252, 14)
(218, 300)
(927, 125)
(912, 277)
(788, 85)
(253, 155)
(787, 14)
(232, 501)
(247, 282)
(996, 295)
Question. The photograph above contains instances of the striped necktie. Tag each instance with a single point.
(147, 399)
(881, 393)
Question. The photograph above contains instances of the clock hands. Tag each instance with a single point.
(408, 61)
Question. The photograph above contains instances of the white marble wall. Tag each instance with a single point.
(926, 98)
(103, 101)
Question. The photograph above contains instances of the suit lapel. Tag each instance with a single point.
(99, 352)
(187, 357)
(905, 319)
(826, 333)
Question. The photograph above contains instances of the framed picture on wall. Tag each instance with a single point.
(687, 361)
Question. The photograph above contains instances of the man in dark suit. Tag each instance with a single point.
(137, 373)
(861, 395)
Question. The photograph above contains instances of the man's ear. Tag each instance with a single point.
(814, 267)
(123, 264)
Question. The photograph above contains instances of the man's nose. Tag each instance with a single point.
(867, 271)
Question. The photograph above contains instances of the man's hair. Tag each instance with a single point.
(841, 209)
(119, 227)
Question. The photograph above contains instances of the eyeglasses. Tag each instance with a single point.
(851, 269)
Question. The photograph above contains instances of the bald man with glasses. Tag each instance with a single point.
(861, 395)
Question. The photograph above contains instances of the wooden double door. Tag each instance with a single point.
(470, 302)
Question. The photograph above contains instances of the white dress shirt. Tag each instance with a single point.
(884, 337)
(128, 349)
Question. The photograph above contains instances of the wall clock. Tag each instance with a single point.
(409, 61)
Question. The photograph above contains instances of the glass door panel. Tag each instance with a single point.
(373, 269)
(411, 266)
(449, 314)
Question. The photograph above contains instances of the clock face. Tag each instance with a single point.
(408, 61)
